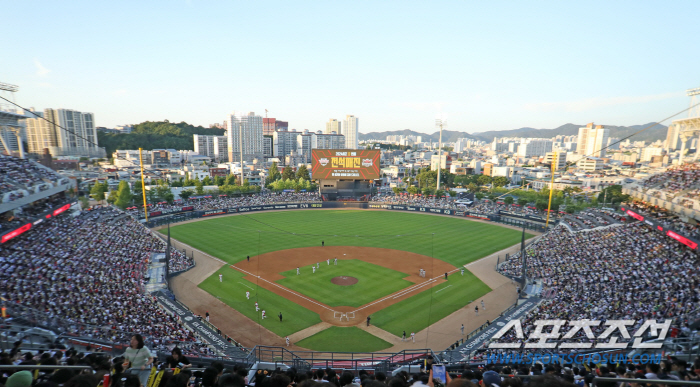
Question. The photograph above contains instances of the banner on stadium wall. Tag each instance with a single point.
(533, 218)
(189, 319)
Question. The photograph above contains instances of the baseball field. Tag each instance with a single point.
(351, 264)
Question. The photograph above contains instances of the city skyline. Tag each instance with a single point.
(482, 66)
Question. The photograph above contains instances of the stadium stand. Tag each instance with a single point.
(417, 201)
(204, 203)
(22, 177)
(89, 270)
(625, 272)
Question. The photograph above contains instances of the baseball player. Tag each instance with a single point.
(297, 271)
(445, 275)
(328, 261)
(335, 261)
(280, 316)
(263, 314)
(313, 268)
(247, 295)
(207, 316)
(462, 271)
(476, 310)
(221, 278)
(462, 329)
(482, 305)
(287, 340)
(413, 336)
(318, 265)
(403, 337)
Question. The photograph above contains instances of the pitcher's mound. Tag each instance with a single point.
(344, 281)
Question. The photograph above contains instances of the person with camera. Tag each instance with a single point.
(177, 360)
(138, 359)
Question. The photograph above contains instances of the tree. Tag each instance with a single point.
(84, 202)
(613, 195)
(164, 193)
(219, 181)
(198, 187)
(541, 205)
(151, 195)
(479, 195)
(452, 193)
(439, 193)
(274, 173)
(500, 181)
(427, 191)
(98, 192)
(206, 181)
(288, 173)
(484, 180)
(522, 202)
(508, 200)
(124, 195)
(412, 190)
(302, 173)
(112, 197)
(396, 190)
(186, 193)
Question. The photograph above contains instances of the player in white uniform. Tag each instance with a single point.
(328, 261)
(413, 336)
(335, 261)
(482, 305)
(263, 314)
(221, 278)
(297, 271)
(318, 265)
(287, 340)
(313, 268)
(462, 271)
(247, 295)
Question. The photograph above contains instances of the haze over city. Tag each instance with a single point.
(395, 65)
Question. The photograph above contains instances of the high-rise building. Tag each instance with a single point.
(251, 128)
(281, 125)
(269, 126)
(221, 149)
(534, 148)
(592, 139)
(559, 161)
(284, 142)
(307, 141)
(215, 147)
(673, 137)
(351, 129)
(267, 146)
(333, 125)
(77, 138)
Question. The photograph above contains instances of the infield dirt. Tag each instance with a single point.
(265, 269)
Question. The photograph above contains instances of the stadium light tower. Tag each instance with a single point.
(440, 122)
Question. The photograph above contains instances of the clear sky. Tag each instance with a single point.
(483, 65)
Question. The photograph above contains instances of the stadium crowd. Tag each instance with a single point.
(218, 375)
(592, 218)
(217, 202)
(628, 272)
(675, 179)
(666, 218)
(88, 270)
(418, 201)
(20, 174)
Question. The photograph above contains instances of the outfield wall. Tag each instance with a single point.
(180, 216)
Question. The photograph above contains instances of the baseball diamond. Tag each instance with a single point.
(382, 252)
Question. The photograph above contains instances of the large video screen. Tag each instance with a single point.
(345, 164)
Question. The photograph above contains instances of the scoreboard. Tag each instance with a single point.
(353, 164)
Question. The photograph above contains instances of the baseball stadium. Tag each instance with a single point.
(339, 280)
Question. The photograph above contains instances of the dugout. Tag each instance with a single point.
(345, 189)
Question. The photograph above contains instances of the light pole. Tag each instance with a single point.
(439, 122)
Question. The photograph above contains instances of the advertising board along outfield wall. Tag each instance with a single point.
(157, 220)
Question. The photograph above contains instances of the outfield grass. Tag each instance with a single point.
(344, 339)
(453, 240)
(232, 292)
(428, 307)
(373, 282)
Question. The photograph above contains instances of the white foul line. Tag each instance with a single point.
(283, 288)
(443, 288)
(245, 285)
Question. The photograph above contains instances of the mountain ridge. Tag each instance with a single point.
(657, 132)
